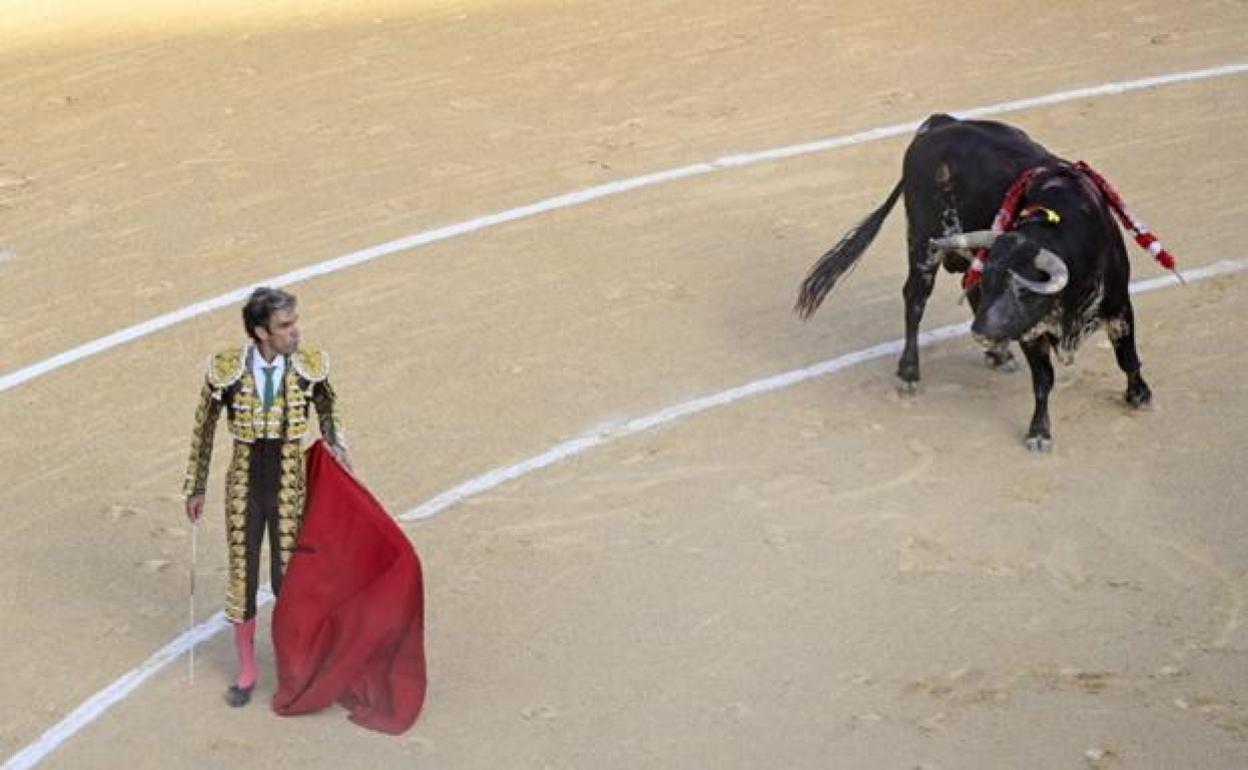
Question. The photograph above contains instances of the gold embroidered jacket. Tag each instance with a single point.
(230, 384)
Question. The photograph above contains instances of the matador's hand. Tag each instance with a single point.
(194, 507)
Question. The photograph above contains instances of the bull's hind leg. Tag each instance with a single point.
(1122, 335)
(918, 288)
(1039, 437)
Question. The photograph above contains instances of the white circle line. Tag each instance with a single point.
(97, 704)
(568, 200)
(566, 449)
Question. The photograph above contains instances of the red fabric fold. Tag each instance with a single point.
(349, 624)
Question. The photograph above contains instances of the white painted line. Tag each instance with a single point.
(563, 451)
(569, 200)
(119, 689)
(97, 704)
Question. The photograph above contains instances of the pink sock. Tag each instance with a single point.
(245, 645)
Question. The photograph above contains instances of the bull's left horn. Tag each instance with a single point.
(1052, 266)
(980, 239)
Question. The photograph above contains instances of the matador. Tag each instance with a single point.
(266, 387)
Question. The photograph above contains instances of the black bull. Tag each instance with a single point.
(1053, 278)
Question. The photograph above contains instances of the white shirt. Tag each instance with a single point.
(257, 371)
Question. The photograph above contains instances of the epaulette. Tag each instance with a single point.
(311, 364)
(225, 367)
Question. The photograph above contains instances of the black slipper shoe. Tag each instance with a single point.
(238, 696)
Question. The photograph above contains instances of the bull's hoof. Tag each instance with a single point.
(1139, 397)
(1042, 444)
(1002, 360)
(907, 388)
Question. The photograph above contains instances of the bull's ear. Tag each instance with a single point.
(980, 239)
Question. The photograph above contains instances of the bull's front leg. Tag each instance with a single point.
(1039, 437)
(918, 288)
(1000, 358)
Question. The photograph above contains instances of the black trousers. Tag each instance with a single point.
(262, 488)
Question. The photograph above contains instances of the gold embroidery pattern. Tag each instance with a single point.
(237, 481)
(249, 420)
(226, 366)
(293, 402)
(206, 415)
(287, 417)
(244, 406)
(267, 423)
(290, 497)
(326, 402)
(312, 364)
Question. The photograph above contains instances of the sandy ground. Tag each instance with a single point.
(826, 576)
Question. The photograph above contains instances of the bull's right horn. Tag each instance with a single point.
(1052, 266)
(980, 239)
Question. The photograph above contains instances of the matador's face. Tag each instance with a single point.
(282, 332)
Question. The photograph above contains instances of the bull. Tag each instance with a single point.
(1058, 272)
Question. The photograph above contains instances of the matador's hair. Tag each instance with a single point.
(261, 306)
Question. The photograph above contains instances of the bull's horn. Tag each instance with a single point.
(980, 239)
(1052, 266)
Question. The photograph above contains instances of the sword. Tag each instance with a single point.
(191, 619)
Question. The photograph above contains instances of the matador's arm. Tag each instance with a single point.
(326, 403)
(210, 401)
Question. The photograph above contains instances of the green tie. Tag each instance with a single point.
(269, 386)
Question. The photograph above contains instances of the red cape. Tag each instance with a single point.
(349, 625)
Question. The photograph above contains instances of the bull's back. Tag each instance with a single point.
(969, 162)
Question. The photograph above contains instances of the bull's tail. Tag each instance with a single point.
(841, 258)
